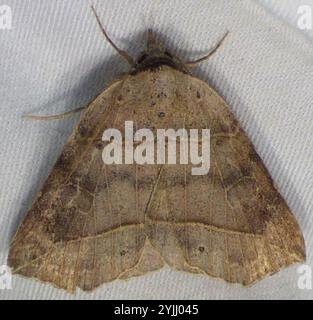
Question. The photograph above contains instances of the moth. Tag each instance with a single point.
(93, 223)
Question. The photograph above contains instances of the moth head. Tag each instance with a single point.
(156, 56)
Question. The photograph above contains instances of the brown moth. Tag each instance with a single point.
(93, 223)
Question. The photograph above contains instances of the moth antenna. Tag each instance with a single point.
(54, 117)
(122, 53)
(210, 54)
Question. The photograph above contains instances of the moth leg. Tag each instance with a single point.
(124, 54)
(54, 117)
(210, 54)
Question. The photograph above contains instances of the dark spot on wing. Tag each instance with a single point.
(201, 249)
(82, 130)
(99, 145)
(123, 252)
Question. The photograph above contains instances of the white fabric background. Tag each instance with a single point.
(55, 59)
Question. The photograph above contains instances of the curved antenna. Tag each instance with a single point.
(212, 51)
(122, 53)
(54, 117)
